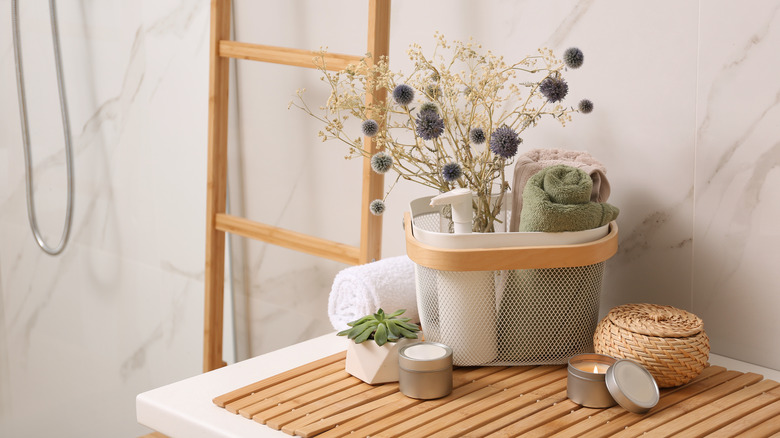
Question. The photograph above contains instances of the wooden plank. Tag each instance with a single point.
(725, 417)
(285, 56)
(739, 426)
(465, 380)
(354, 402)
(631, 424)
(585, 419)
(306, 399)
(713, 408)
(219, 69)
(535, 416)
(314, 375)
(232, 396)
(373, 183)
(314, 427)
(513, 413)
(305, 389)
(288, 239)
(369, 426)
(769, 428)
(279, 421)
(526, 257)
(478, 402)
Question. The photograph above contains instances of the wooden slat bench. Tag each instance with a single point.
(321, 399)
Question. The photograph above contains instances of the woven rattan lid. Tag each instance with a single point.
(656, 320)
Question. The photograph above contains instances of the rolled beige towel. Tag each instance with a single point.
(531, 162)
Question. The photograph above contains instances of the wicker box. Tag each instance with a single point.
(669, 342)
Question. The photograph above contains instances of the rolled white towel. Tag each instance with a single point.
(360, 290)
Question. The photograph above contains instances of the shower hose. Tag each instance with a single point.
(25, 130)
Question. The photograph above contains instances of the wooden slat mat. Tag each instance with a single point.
(321, 399)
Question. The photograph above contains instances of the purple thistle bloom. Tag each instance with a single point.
(403, 94)
(429, 124)
(504, 142)
(586, 106)
(370, 128)
(477, 136)
(553, 89)
(377, 207)
(381, 162)
(451, 172)
(573, 57)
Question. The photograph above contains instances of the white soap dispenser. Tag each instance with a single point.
(460, 199)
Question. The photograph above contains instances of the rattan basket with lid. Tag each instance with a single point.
(669, 342)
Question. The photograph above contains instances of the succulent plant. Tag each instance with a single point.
(381, 328)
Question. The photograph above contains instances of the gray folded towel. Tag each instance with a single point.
(557, 199)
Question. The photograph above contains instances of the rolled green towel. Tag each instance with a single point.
(557, 199)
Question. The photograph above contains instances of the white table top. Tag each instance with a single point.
(185, 409)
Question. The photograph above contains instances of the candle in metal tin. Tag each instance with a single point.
(425, 370)
(586, 380)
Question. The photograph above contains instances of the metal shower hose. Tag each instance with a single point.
(25, 130)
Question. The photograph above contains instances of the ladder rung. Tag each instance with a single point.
(282, 55)
(288, 239)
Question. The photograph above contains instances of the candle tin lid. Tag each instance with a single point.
(632, 386)
(425, 356)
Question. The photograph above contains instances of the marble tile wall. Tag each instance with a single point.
(686, 122)
(120, 311)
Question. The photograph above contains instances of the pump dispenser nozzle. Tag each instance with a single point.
(461, 208)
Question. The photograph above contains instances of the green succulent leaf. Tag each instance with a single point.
(393, 328)
(407, 334)
(360, 321)
(397, 313)
(358, 330)
(380, 336)
(362, 337)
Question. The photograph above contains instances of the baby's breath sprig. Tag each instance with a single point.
(455, 121)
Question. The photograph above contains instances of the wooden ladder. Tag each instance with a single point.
(218, 222)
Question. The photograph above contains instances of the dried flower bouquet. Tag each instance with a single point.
(455, 121)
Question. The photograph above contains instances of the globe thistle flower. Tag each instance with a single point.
(504, 142)
(377, 207)
(553, 89)
(477, 136)
(433, 91)
(370, 128)
(573, 57)
(429, 125)
(381, 162)
(403, 94)
(429, 106)
(586, 106)
(451, 172)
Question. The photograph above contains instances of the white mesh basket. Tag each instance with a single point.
(524, 299)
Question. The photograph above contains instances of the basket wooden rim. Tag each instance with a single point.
(498, 259)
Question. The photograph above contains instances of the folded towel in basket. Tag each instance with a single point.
(529, 163)
(557, 199)
(360, 290)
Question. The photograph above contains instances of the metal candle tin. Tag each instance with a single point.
(586, 387)
(425, 370)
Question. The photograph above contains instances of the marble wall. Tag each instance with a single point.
(120, 311)
(686, 122)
